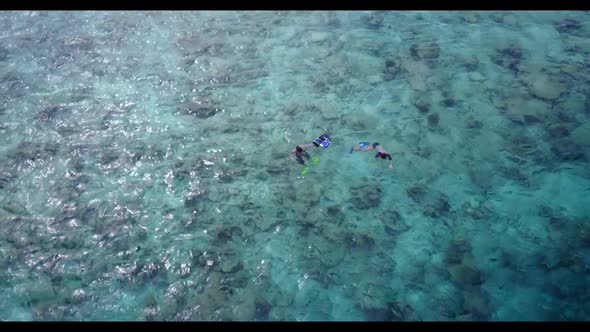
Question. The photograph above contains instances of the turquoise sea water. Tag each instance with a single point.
(145, 171)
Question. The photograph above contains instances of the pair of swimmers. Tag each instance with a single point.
(298, 153)
(381, 153)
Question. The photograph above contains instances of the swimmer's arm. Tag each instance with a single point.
(390, 162)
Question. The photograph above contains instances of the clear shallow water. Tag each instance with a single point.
(144, 170)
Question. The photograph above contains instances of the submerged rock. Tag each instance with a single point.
(263, 309)
(225, 233)
(557, 131)
(194, 198)
(525, 111)
(421, 103)
(581, 136)
(4, 53)
(199, 110)
(381, 315)
(520, 144)
(168, 308)
(13, 85)
(321, 254)
(572, 70)
(244, 77)
(230, 264)
(48, 114)
(195, 44)
(393, 66)
(477, 303)
(41, 290)
(34, 151)
(71, 242)
(544, 86)
(393, 222)
(509, 57)
(510, 19)
(107, 156)
(449, 101)
(77, 296)
(438, 208)
(476, 211)
(544, 210)
(514, 173)
(373, 20)
(470, 17)
(245, 308)
(334, 210)
(423, 151)
(370, 297)
(416, 193)
(568, 25)
(5, 179)
(433, 119)
(359, 240)
(319, 36)
(82, 43)
(465, 275)
(473, 123)
(476, 77)
(265, 223)
(447, 300)
(366, 196)
(567, 150)
(331, 19)
(425, 50)
(332, 232)
(418, 74)
(459, 249)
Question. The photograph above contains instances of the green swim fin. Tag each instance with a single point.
(314, 161)
(305, 170)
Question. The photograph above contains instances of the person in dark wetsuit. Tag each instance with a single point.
(381, 153)
(299, 152)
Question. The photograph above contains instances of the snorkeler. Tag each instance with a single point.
(381, 153)
(299, 152)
